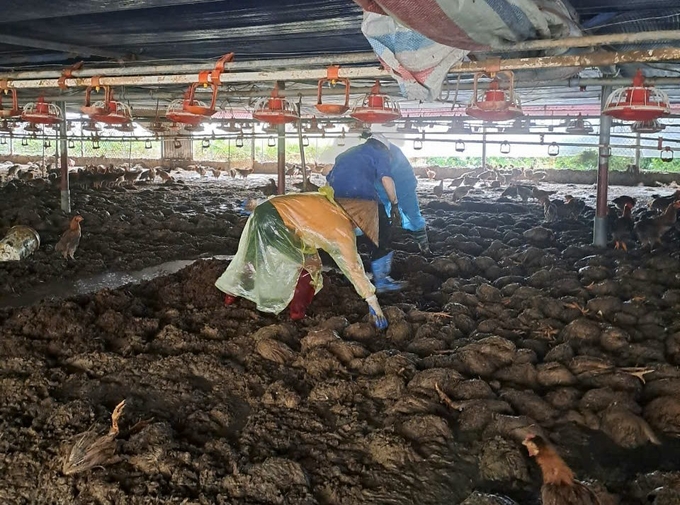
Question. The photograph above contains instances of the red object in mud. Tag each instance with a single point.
(230, 299)
(304, 294)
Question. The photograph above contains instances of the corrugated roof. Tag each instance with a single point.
(180, 30)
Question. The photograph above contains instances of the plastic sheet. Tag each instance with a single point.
(419, 41)
(281, 238)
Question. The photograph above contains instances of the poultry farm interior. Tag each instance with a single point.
(533, 356)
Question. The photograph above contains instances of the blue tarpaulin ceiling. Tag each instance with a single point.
(45, 32)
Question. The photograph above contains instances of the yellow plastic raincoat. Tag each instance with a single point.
(282, 237)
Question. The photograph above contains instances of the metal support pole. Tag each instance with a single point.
(63, 150)
(281, 148)
(302, 147)
(484, 147)
(252, 151)
(600, 223)
(638, 153)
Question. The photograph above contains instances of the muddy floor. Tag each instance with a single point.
(523, 325)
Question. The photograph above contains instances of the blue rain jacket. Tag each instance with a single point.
(405, 183)
(358, 172)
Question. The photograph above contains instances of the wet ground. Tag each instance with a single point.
(523, 326)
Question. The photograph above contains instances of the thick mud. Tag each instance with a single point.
(521, 324)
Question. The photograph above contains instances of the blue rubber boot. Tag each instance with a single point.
(381, 275)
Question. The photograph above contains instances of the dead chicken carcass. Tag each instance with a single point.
(90, 450)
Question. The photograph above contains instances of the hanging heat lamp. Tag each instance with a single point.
(71, 144)
(666, 154)
(41, 112)
(341, 140)
(126, 128)
(205, 143)
(376, 108)
(157, 127)
(458, 127)
(177, 144)
(230, 127)
(637, 102)
(332, 79)
(147, 144)
(24, 142)
(647, 127)
(6, 127)
(3, 141)
(314, 127)
(407, 128)
(418, 143)
(239, 140)
(460, 146)
(275, 110)
(188, 110)
(305, 141)
(494, 104)
(553, 149)
(91, 126)
(505, 147)
(271, 141)
(358, 127)
(14, 111)
(95, 142)
(579, 126)
(47, 144)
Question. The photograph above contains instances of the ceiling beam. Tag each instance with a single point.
(307, 61)
(596, 59)
(591, 41)
(76, 50)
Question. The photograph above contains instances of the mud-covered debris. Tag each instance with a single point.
(275, 351)
(479, 498)
(626, 429)
(90, 450)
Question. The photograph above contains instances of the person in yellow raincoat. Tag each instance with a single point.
(277, 262)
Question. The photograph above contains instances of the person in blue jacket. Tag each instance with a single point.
(405, 183)
(356, 174)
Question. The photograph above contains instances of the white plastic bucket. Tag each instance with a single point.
(19, 243)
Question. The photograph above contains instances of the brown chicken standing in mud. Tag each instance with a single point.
(69, 241)
(559, 486)
(650, 230)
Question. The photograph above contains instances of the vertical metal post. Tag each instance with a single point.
(600, 223)
(229, 154)
(281, 147)
(252, 149)
(484, 147)
(63, 150)
(302, 147)
(638, 153)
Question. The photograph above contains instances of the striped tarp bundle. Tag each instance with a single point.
(418, 41)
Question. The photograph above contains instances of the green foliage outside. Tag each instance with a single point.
(586, 160)
(223, 150)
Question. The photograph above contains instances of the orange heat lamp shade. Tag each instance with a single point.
(376, 108)
(637, 102)
(41, 112)
(275, 110)
(494, 104)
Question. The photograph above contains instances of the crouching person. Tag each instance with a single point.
(277, 264)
